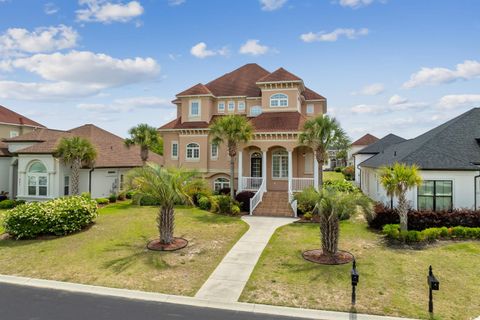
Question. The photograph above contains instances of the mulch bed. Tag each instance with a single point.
(177, 244)
(317, 256)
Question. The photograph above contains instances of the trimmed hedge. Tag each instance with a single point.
(8, 204)
(392, 231)
(102, 201)
(420, 220)
(59, 217)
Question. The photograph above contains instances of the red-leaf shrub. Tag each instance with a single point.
(244, 199)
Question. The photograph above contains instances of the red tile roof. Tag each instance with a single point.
(309, 94)
(279, 75)
(365, 140)
(111, 150)
(11, 117)
(198, 89)
(4, 150)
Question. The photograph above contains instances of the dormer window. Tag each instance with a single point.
(194, 108)
(255, 111)
(279, 100)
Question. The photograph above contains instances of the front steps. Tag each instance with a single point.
(274, 204)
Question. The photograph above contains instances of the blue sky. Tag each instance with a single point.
(401, 66)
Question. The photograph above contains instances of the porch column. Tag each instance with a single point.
(264, 168)
(290, 169)
(240, 171)
(315, 171)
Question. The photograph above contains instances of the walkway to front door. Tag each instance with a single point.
(226, 283)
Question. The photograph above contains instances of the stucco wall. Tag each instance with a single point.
(358, 159)
(5, 130)
(5, 174)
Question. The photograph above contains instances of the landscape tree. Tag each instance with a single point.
(146, 137)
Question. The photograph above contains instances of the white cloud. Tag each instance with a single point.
(44, 91)
(396, 100)
(15, 41)
(126, 105)
(365, 109)
(175, 2)
(355, 3)
(107, 12)
(469, 69)
(253, 47)
(200, 51)
(459, 100)
(271, 5)
(371, 90)
(50, 8)
(333, 36)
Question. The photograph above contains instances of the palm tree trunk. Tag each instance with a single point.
(403, 211)
(76, 165)
(232, 176)
(391, 202)
(166, 224)
(321, 161)
(144, 154)
(329, 232)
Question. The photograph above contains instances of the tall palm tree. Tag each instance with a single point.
(320, 134)
(167, 187)
(397, 180)
(77, 152)
(333, 206)
(144, 136)
(231, 130)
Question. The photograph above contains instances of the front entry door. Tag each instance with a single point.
(256, 168)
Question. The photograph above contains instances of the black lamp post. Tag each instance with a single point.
(433, 284)
(355, 277)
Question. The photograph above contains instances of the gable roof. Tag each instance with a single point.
(381, 144)
(111, 150)
(11, 117)
(365, 140)
(450, 146)
(309, 94)
(198, 89)
(279, 75)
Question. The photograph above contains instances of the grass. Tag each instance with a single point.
(112, 252)
(2, 212)
(332, 175)
(392, 281)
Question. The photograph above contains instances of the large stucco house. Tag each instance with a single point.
(272, 164)
(449, 161)
(34, 174)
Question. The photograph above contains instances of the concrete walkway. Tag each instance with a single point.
(226, 283)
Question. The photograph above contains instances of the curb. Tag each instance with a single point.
(190, 301)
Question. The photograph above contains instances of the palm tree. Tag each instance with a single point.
(397, 180)
(334, 206)
(232, 130)
(77, 152)
(320, 134)
(167, 187)
(144, 136)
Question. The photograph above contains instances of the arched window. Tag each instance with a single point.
(255, 111)
(280, 164)
(221, 183)
(37, 178)
(279, 100)
(193, 151)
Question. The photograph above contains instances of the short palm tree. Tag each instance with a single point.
(397, 180)
(231, 130)
(320, 134)
(144, 136)
(166, 187)
(77, 152)
(334, 206)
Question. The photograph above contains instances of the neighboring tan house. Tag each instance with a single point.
(449, 161)
(12, 125)
(371, 150)
(277, 104)
(358, 145)
(35, 174)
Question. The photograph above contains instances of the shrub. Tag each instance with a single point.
(235, 210)
(348, 172)
(19, 202)
(8, 204)
(86, 195)
(147, 201)
(308, 216)
(129, 194)
(121, 196)
(382, 215)
(224, 204)
(244, 199)
(340, 185)
(112, 198)
(224, 191)
(59, 217)
(197, 188)
(307, 200)
(102, 201)
(338, 169)
(392, 231)
(204, 203)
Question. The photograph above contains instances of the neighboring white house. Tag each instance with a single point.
(358, 145)
(35, 174)
(449, 161)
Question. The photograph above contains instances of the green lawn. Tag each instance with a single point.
(2, 212)
(112, 252)
(332, 175)
(392, 281)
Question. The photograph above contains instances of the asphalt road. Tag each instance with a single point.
(29, 303)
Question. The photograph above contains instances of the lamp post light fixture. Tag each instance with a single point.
(433, 284)
(355, 278)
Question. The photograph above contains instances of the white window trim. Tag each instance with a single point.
(14, 134)
(199, 108)
(218, 107)
(312, 106)
(221, 183)
(213, 157)
(193, 158)
(37, 180)
(241, 103)
(280, 166)
(228, 106)
(171, 150)
(310, 168)
(256, 107)
(278, 99)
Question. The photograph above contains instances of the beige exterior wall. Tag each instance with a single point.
(6, 129)
(319, 107)
(294, 100)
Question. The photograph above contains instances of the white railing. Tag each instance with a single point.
(257, 198)
(292, 201)
(251, 183)
(298, 184)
